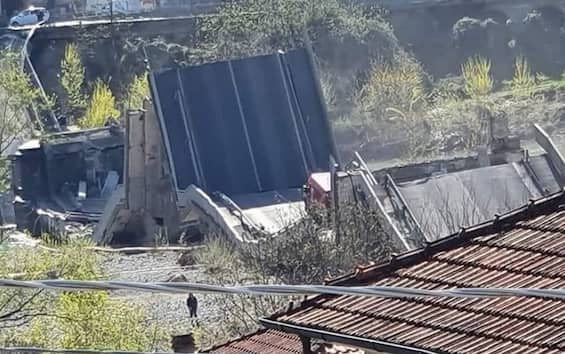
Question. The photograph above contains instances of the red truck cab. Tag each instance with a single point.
(317, 190)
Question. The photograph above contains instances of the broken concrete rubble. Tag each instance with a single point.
(60, 178)
(237, 170)
(422, 202)
(192, 165)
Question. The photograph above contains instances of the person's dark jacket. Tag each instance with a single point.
(191, 302)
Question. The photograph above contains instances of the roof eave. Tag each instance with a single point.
(360, 342)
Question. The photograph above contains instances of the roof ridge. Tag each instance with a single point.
(498, 223)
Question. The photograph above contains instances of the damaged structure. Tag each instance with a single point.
(423, 202)
(244, 148)
(66, 177)
(240, 138)
(431, 200)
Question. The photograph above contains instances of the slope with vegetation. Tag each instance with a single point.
(377, 92)
(68, 319)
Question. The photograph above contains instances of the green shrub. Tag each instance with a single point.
(243, 28)
(137, 91)
(72, 80)
(101, 107)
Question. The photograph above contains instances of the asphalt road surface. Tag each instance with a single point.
(93, 22)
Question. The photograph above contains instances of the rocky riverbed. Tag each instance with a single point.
(168, 309)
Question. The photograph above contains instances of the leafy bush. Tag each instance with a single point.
(259, 26)
(101, 107)
(477, 76)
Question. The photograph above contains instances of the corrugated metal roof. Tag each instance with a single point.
(525, 248)
(244, 126)
(446, 202)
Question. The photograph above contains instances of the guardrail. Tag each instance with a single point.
(180, 7)
(399, 202)
(236, 211)
(371, 184)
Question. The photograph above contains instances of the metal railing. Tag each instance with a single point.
(403, 211)
(124, 8)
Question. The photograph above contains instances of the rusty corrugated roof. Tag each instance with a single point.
(525, 248)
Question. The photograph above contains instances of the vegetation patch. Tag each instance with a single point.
(90, 319)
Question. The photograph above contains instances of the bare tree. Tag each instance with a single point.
(307, 252)
(16, 94)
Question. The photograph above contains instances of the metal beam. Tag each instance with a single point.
(328, 336)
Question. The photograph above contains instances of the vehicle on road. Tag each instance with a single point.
(31, 16)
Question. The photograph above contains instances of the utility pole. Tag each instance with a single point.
(116, 55)
(112, 13)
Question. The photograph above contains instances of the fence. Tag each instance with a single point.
(65, 10)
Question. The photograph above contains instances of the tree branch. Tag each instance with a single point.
(21, 306)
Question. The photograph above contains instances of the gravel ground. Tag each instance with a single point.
(152, 267)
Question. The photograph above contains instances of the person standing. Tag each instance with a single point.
(192, 305)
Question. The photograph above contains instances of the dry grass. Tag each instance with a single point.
(523, 81)
(477, 76)
(397, 86)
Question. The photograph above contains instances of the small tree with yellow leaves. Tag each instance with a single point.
(72, 81)
(101, 106)
(137, 91)
(523, 80)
